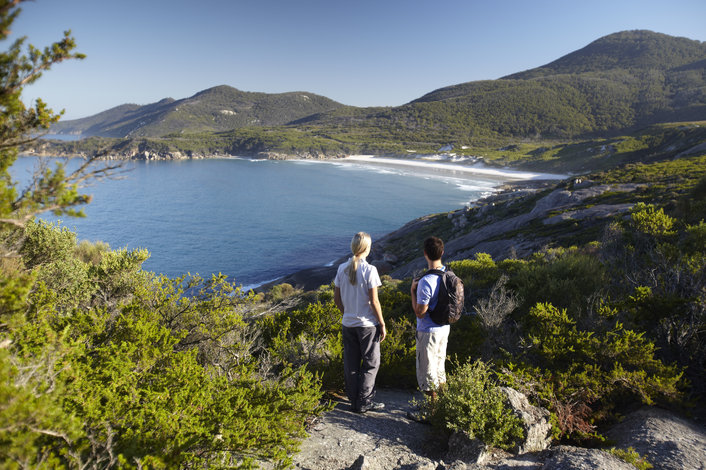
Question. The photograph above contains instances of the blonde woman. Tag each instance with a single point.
(356, 296)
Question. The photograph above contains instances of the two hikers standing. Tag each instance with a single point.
(356, 296)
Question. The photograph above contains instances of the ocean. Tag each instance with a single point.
(257, 220)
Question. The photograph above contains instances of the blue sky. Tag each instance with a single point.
(361, 52)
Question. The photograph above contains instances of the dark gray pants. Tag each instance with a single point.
(361, 361)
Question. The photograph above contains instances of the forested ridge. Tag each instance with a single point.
(106, 365)
(617, 84)
(215, 109)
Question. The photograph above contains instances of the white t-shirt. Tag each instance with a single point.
(357, 309)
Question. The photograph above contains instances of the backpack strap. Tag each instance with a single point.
(438, 272)
(434, 313)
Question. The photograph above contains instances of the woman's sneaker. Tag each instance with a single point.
(372, 406)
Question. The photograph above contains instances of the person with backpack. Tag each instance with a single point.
(356, 296)
(437, 300)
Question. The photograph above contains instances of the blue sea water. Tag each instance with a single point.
(256, 220)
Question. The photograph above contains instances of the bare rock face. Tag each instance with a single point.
(535, 422)
(370, 463)
(557, 458)
(577, 458)
(345, 440)
(491, 238)
(467, 450)
(668, 441)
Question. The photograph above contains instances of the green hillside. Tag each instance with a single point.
(628, 79)
(615, 85)
(212, 110)
(633, 50)
(618, 83)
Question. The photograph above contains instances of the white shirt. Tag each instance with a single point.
(357, 308)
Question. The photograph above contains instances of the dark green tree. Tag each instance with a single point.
(52, 190)
(102, 364)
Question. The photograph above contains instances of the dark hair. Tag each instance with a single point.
(433, 248)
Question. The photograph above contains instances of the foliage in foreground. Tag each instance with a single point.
(132, 372)
(583, 376)
(104, 365)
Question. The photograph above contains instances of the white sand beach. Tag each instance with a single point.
(459, 170)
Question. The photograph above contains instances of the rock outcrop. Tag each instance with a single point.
(535, 422)
(387, 440)
(499, 236)
(668, 441)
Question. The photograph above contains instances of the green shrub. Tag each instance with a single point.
(280, 292)
(478, 273)
(394, 299)
(91, 253)
(471, 402)
(105, 365)
(398, 354)
(566, 278)
(308, 336)
(695, 238)
(632, 457)
(692, 207)
(45, 243)
(466, 339)
(646, 219)
(582, 376)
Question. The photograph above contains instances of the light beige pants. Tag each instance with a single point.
(431, 355)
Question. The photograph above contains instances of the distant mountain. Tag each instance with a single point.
(624, 80)
(631, 50)
(615, 85)
(215, 109)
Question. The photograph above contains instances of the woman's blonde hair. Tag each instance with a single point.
(359, 245)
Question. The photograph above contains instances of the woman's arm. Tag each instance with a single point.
(337, 299)
(375, 302)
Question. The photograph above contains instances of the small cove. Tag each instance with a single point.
(257, 220)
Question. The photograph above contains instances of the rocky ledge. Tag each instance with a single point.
(342, 439)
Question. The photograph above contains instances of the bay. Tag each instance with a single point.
(256, 220)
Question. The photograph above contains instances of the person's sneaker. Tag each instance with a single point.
(372, 406)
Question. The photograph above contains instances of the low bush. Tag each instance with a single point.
(565, 277)
(654, 222)
(398, 354)
(632, 457)
(471, 402)
(583, 376)
(308, 336)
